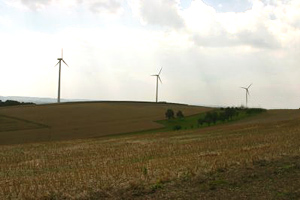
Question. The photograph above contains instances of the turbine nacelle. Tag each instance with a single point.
(158, 75)
(247, 93)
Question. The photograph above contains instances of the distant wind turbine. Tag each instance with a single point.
(157, 77)
(59, 73)
(247, 93)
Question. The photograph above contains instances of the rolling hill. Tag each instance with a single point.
(68, 121)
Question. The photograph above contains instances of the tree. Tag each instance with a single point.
(222, 117)
(170, 114)
(208, 118)
(179, 114)
(229, 113)
(214, 117)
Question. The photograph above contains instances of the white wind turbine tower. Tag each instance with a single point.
(247, 93)
(59, 73)
(157, 77)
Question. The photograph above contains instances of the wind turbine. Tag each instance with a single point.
(59, 73)
(247, 93)
(157, 77)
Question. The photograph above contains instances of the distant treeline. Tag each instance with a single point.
(227, 114)
(12, 103)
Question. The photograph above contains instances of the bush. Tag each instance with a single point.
(177, 127)
(201, 121)
(254, 111)
(170, 114)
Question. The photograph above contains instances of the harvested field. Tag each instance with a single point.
(207, 163)
(82, 120)
(13, 124)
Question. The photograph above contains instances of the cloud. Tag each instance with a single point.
(104, 6)
(95, 6)
(164, 13)
(259, 27)
(28, 4)
(259, 38)
(200, 18)
(36, 4)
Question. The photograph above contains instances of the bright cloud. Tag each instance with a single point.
(157, 12)
(95, 6)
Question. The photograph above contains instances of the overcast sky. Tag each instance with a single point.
(208, 50)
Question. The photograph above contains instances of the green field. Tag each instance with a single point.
(256, 157)
(191, 122)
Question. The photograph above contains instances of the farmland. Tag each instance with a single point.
(81, 120)
(254, 157)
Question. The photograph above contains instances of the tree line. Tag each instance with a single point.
(226, 114)
(12, 103)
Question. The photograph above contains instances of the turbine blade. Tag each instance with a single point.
(56, 64)
(160, 71)
(153, 75)
(62, 53)
(159, 79)
(249, 85)
(244, 88)
(65, 63)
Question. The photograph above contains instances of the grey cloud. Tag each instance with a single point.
(161, 12)
(106, 6)
(95, 6)
(296, 23)
(220, 40)
(218, 37)
(260, 38)
(35, 4)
